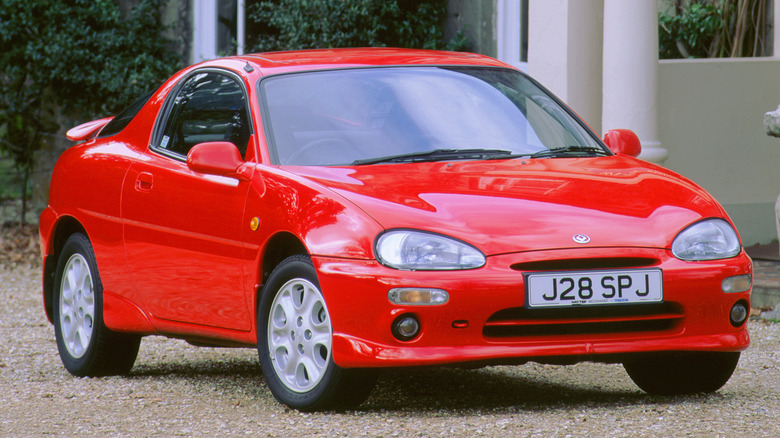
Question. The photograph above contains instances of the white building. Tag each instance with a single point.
(701, 118)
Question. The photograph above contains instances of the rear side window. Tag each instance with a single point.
(209, 106)
(124, 118)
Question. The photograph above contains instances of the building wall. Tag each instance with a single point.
(709, 113)
(710, 119)
(477, 19)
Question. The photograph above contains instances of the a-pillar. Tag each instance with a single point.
(630, 72)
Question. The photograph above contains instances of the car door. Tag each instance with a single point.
(182, 229)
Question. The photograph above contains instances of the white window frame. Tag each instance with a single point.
(509, 32)
(204, 29)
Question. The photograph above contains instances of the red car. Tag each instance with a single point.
(348, 210)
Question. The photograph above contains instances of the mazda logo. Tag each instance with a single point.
(581, 238)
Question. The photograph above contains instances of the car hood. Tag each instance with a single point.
(505, 206)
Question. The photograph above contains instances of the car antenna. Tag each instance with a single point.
(248, 68)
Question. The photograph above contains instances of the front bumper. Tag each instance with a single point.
(485, 319)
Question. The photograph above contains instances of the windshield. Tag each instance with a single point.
(405, 114)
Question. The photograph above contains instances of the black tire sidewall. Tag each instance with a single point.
(683, 373)
(78, 244)
(291, 268)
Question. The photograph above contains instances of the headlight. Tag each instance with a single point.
(418, 250)
(709, 239)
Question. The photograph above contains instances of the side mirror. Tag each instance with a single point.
(623, 142)
(216, 158)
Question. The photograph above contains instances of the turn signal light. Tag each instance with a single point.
(738, 283)
(418, 296)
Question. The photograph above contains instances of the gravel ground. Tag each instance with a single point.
(179, 390)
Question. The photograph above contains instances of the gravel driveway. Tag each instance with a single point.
(179, 390)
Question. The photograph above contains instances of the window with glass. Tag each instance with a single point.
(120, 122)
(360, 116)
(209, 106)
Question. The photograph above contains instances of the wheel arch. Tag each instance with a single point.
(65, 227)
(323, 384)
(278, 248)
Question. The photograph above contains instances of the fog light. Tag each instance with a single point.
(738, 314)
(739, 283)
(418, 296)
(406, 327)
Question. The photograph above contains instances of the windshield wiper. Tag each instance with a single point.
(573, 150)
(442, 155)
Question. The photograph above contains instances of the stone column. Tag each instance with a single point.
(564, 52)
(630, 72)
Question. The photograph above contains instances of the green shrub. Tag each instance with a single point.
(713, 29)
(304, 24)
(82, 58)
(84, 53)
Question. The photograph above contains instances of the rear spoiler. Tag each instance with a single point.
(87, 130)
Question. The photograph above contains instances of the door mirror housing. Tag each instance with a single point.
(623, 142)
(216, 158)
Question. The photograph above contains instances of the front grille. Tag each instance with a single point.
(589, 263)
(623, 318)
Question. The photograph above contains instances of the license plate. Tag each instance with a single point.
(585, 288)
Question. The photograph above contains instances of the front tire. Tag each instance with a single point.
(680, 373)
(295, 339)
(86, 346)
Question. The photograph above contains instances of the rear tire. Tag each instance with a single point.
(87, 348)
(294, 342)
(681, 373)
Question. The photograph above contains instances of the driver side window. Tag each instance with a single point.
(209, 106)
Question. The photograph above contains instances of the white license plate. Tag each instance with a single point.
(584, 288)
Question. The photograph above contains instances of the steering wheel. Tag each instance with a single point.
(324, 151)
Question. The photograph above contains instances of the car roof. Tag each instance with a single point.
(322, 59)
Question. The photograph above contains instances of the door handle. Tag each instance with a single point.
(144, 182)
